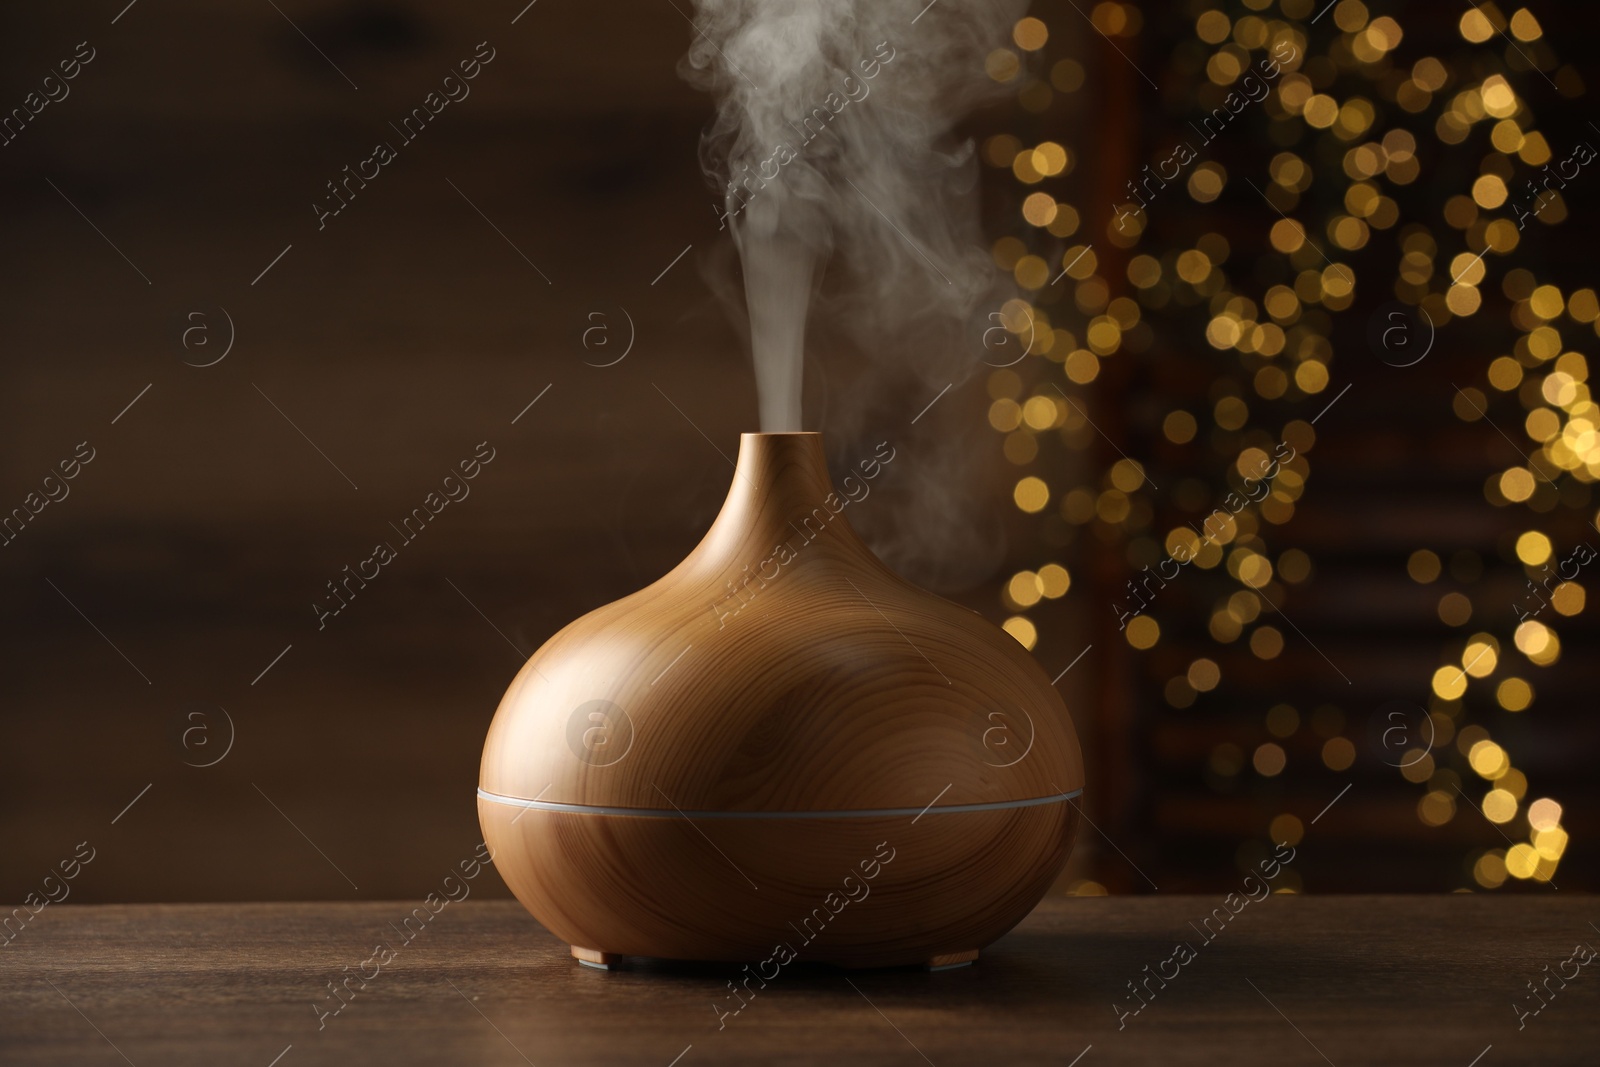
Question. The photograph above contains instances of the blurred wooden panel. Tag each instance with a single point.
(370, 356)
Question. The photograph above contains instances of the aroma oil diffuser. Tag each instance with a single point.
(780, 745)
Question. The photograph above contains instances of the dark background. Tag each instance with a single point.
(412, 327)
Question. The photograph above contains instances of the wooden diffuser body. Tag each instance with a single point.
(780, 745)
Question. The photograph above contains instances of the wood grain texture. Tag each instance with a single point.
(834, 686)
(1369, 980)
(855, 892)
(781, 669)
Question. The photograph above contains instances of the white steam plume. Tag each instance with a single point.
(853, 205)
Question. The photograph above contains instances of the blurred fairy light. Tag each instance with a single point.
(1343, 96)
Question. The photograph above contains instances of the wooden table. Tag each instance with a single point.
(1289, 980)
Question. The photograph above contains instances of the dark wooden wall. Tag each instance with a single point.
(396, 338)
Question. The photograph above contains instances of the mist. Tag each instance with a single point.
(853, 208)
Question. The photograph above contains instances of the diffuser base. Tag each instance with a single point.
(589, 957)
(949, 961)
(854, 891)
